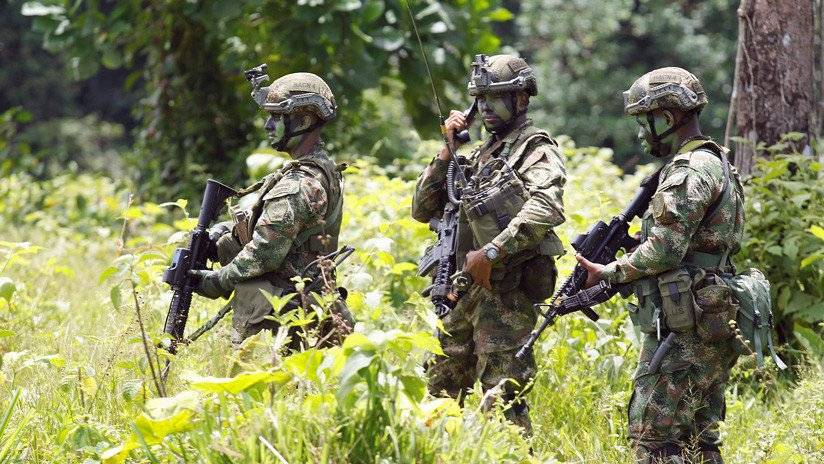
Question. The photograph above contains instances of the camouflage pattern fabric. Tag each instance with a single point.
(681, 405)
(540, 167)
(486, 328)
(296, 203)
(688, 185)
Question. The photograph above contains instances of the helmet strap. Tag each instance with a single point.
(288, 134)
(657, 139)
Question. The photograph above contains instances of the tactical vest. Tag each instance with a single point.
(319, 239)
(494, 196)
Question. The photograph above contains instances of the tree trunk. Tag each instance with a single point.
(775, 88)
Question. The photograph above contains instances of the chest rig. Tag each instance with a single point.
(495, 194)
(321, 238)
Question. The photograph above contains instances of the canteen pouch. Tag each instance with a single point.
(643, 315)
(677, 305)
(718, 308)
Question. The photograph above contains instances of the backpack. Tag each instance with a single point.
(754, 318)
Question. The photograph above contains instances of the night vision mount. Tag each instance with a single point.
(257, 77)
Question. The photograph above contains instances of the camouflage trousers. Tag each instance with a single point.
(674, 414)
(484, 331)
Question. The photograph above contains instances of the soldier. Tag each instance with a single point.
(294, 214)
(506, 241)
(694, 224)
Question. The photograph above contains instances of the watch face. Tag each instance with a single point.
(491, 253)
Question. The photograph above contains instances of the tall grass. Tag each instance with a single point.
(75, 386)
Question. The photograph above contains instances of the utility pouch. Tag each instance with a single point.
(718, 308)
(538, 278)
(755, 319)
(677, 301)
(491, 201)
(243, 228)
(643, 315)
(251, 307)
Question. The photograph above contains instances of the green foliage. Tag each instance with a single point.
(72, 347)
(186, 59)
(785, 207)
(592, 50)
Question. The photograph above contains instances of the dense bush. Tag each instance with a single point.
(785, 238)
(77, 386)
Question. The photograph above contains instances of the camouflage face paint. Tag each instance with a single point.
(649, 144)
(495, 109)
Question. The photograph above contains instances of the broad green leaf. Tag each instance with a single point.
(358, 340)
(237, 384)
(811, 341)
(371, 11)
(154, 430)
(7, 333)
(305, 363)
(118, 454)
(402, 267)
(349, 374)
(500, 14)
(7, 288)
(116, 297)
(818, 231)
(810, 260)
(414, 386)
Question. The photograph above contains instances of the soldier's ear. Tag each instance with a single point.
(522, 101)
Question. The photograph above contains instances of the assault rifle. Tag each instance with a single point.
(599, 245)
(193, 258)
(440, 261)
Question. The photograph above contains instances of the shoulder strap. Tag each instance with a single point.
(721, 154)
(334, 197)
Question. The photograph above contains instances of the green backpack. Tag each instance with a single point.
(754, 319)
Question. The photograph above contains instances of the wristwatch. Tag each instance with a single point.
(491, 252)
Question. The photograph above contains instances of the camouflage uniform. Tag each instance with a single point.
(674, 413)
(292, 201)
(487, 328)
(286, 220)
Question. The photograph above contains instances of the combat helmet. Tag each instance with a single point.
(292, 92)
(501, 73)
(665, 88)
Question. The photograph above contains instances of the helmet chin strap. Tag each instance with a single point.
(657, 145)
(281, 144)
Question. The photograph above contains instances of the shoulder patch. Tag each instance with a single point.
(538, 152)
(286, 186)
(673, 179)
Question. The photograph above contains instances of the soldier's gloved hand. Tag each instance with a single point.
(209, 284)
(215, 233)
(479, 267)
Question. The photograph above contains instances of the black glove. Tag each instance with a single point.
(209, 284)
(215, 233)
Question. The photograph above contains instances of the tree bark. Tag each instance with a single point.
(776, 85)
